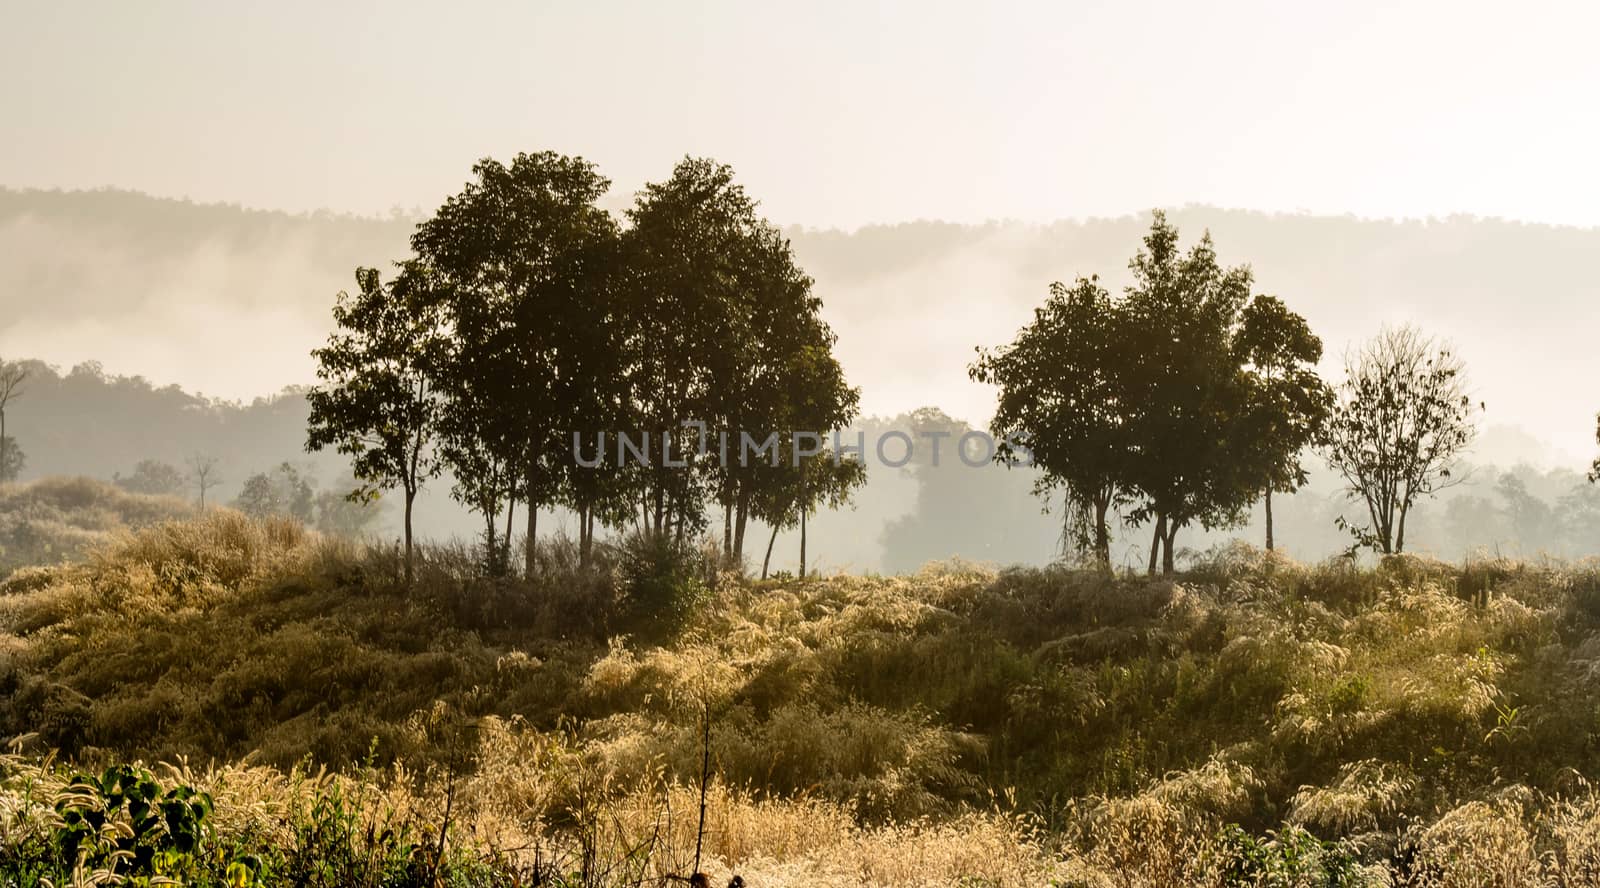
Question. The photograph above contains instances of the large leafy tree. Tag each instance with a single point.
(722, 328)
(1183, 398)
(1289, 402)
(1063, 404)
(1186, 392)
(379, 400)
(526, 260)
(1397, 430)
(687, 255)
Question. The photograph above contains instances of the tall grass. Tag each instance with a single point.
(1255, 721)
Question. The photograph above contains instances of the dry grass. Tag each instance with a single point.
(1418, 722)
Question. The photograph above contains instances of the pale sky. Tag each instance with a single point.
(834, 114)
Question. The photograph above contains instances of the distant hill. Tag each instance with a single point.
(226, 300)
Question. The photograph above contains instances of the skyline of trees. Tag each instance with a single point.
(527, 316)
(98, 425)
(725, 490)
(1182, 400)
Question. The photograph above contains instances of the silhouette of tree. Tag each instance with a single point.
(724, 330)
(379, 399)
(1289, 401)
(1397, 430)
(1183, 397)
(1190, 401)
(1064, 405)
(12, 376)
(526, 259)
(203, 469)
(339, 515)
(815, 481)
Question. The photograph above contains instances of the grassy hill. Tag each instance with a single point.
(61, 519)
(1255, 720)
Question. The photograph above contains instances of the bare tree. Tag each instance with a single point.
(203, 469)
(1401, 421)
(12, 375)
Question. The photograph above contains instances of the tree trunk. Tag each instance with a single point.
(584, 529)
(1166, 548)
(505, 545)
(802, 544)
(1269, 517)
(411, 497)
(1400, 535)
(491, 545)
(765, 562)
(727, 531)
(741, 514)
(1155, 542)
(1102, 536)
(530, 546)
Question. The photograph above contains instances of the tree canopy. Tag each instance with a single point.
(529, 321)
(1182, 400)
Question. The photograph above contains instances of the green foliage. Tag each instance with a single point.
(1184, 398)
(164, 829)
(1291, 858)
(664, 580)
(379, 399)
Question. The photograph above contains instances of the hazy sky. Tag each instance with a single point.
(833, 113)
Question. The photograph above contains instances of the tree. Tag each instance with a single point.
(378, 400)
(12, 376)
(1063, 405)
(1399, 425)
(282, 492)
(1188, 397)
(692, 271)
(152, 476)
(525, 260)
(203, 469)
(1182, 398)
(1289, 401)
(1532, 521)
(819, 480)
(339, 515)
(784, 377)
(12, 459)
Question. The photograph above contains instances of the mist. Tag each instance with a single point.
(228, 302)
